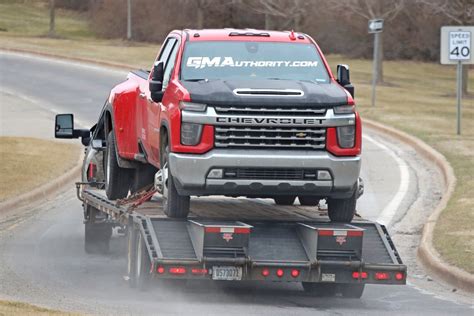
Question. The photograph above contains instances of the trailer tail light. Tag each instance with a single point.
(231, 230)
(199, 271)
(359, 275)
(382, 276)
(399, 276)
(295, 273)
(280, 273)
(177, 270)
(265, 272)
(160, 270)
(348, 233)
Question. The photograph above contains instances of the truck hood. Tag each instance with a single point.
(221, 92)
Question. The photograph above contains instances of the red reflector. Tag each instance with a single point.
(382, 276)
(199, 271)
(160, 270)
(242, 230)
(399, 276)
(325, 232)
(295, 273)
(355, 233)
(177, 270)
(213, 229)
(280, 273)
(361, 275)
(265, 272)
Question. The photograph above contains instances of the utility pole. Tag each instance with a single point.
(52, 28)
(129, 20)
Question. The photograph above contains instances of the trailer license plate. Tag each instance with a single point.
(227, 273)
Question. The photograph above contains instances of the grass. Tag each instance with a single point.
(418, 98)
(17, 308)
(26, 163)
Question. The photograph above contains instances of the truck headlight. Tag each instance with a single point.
(190, 134)
(191, 106)
(346, 136)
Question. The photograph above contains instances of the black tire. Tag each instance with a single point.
(96, 235)
(142, 265)
(351, 290)
(284, 200)
(174, 205)
(320, 289)
(309, 200)
(117, 180)
(143, 177)
(342, 210)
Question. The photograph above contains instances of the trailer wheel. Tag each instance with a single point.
(284, 200)
(352, 290)
(309, 200)
(117, 180)
(96, 235)
(174, 205)
(342, 210)
(142, 265)
(143, 177)
(320, 289)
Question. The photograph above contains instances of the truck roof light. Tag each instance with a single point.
(292, 35)
(280, 273)
(178, 270)
(382, 276)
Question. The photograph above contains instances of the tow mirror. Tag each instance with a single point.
(64, 128)
(344, 79)
(156, 82)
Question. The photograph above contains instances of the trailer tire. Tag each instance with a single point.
(284, 200)
(117, 180)
(142, 265)
(320, 289)
(342, 210)
(142, 178)
(352, 290)
(309, 200)
(174, 205)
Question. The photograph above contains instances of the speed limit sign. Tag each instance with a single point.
(457, 44)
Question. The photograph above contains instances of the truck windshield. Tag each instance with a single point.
(252, 60)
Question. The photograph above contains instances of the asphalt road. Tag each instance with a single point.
(41, 250)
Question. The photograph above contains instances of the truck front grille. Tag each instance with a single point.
(297, 138)
(271, 111)
(270, 174)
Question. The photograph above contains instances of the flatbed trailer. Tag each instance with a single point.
(236, 239)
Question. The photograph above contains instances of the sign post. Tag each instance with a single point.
(456, 48)
(375, 27)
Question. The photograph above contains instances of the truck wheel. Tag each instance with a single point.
(352, 290)
(143, 177)
(142, 265)
(320, 289)
(174, 205)
(96, 235)
(309, 200)
(342, 210)
(284, 200)
(117, 180)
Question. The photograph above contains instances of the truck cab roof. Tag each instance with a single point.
(231, 34)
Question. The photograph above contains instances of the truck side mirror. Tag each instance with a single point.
(344, 79)
(156, 82)
(64, 127)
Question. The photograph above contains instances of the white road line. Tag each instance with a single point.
(391, 208)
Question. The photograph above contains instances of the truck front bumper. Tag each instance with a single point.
(191, 173)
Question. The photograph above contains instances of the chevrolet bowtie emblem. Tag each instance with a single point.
(301, 135)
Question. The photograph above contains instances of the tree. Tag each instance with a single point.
(52, 24)
(372, 9)
(203, 5)
(289, 12)
(460, 12)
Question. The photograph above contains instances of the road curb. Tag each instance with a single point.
(427, 254)
(44, 191)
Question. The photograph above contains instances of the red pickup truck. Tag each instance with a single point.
(237, 113)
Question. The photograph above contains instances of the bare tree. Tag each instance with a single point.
(203, 5)
(460, 12)
(52, 24)
(290, 12)
(372, 9)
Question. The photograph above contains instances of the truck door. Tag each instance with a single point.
(148, 122)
